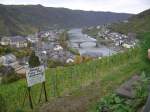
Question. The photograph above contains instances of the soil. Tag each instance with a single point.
(79, 102)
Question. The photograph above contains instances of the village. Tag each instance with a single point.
(114, 40)
(46, 45)
(52, 49)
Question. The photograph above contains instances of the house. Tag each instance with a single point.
(69, 60)
(43, 34)
(32, 39)
(8, 59)
(48, 46)
(53, 37)
(5, 41)
(57, 48)
(18, 42)
(98, 27)
(15, 41)
(127, 46)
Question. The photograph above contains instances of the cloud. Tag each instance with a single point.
(129, 6)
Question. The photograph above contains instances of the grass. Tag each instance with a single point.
(62, 80)
(128, 70)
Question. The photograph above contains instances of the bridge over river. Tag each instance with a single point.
(86, 44)
(79, 43)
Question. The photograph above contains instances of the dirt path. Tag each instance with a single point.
(74, 103)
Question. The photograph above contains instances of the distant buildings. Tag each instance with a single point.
(10, 60)
(69, 60)
(57, 48)
(117, 39)
(5, 41)
(32, 39)
(14, 41)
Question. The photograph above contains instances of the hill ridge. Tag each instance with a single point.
(24, 19)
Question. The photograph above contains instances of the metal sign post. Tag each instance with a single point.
(45, 92)
(30, 98)
(35, 76)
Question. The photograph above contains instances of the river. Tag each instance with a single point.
(86, 45)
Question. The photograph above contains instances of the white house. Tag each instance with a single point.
(98, 27)
(15, 41)
(57, 48)
(127, 46)
(18, 41)
(70, 60)
(5, 41)
(32, 39)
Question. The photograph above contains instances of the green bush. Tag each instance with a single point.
(63, 38)
(73, 51)
(114, 103)
(34, 60)
(9, 77)
(6, 49)
(54, 63)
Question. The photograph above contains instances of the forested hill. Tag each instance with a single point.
(23, 19)
(138, 23)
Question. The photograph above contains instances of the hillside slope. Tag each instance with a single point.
(74, 88)
(137, 24)
(23, 19)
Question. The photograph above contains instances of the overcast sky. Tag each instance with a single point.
(128, 6)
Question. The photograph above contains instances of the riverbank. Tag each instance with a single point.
(86, 45)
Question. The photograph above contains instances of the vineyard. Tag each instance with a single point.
(60, 81)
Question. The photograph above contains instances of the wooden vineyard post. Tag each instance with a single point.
(71, 76)
(56, 94)
(30, 98)
(45, 92)
(149, 54)
(147, 106)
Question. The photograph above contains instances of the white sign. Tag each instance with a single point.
(35, 75)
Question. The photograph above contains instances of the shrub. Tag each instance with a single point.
(73, 51)
(114, 103)
(34, 60)
(22, 53)
(78, 59)
(81, 59)
(6, 49)
(9, 75)
(54, 63)
(63, 38)
(87, 58)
